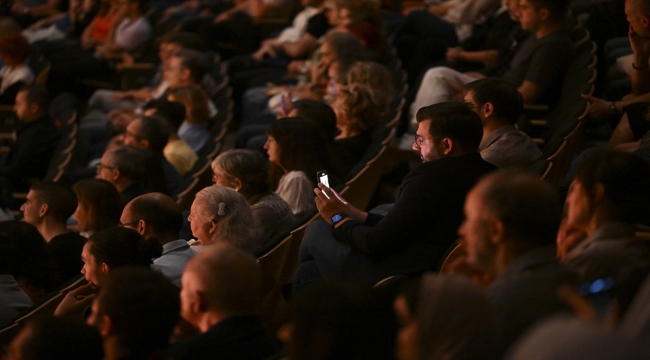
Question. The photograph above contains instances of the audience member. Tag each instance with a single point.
(420, 227)
(499, 105)
(48, 207)
(157, 217)
(220, 214)
(220, 297)
(99, 206)
(511, 219)
(107, 250)
(126, 168)
(297, 151)
(339, 321)
(444, 317)
(597, 239)
(135, 311)
(14, 50)
(31, 262)
(152, 133)
(198, 111)
(54, 338)
(537, 69)
(247, 172)
(35, 139)
(177, 151)
(13, 300)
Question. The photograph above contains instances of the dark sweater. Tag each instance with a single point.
(423, 223)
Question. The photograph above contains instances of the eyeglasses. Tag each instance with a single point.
(99, 166)
(418, 140)
(132, 223)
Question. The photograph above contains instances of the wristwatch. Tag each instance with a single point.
(337, 218)
(612, 106)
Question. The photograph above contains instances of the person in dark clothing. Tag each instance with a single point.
(36, 138)
(415, 234)
(48, 207)
(220, 296)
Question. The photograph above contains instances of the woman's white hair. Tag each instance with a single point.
(229, 209)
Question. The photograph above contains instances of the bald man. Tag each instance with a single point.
(158, 218)
(511, 221)
(220, 297)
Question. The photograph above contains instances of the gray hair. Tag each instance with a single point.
(229, 209)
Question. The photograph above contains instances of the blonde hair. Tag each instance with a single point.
(229, 209)
(195, 101)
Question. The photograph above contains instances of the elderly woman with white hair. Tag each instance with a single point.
(221, 214)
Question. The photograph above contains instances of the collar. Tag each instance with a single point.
(495, 135)
(608, 231)
(175, 245)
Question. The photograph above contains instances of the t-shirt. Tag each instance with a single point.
(180, 155)
(318, 25)
(543, 62)
(129, 35)
(508, 147)
(296, 189)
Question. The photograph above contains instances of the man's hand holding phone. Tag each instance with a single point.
(329, 202)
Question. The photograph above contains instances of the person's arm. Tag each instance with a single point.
(482, 56)
(260, 9)
(531, 92)
(299, 48)
(86, 41)
(47, 9)
(640, 69)
(438, 10)
(46, 22)
(243, 5)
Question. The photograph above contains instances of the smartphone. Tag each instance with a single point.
(598, 293)
(323, 179)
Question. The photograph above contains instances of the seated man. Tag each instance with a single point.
(48, 206)
(157, 217)
(499, 105)
(35, 140)
(511, 219)
(126, 168)
(537, 69)
(152, 133)
(420, 227)
(135, 312)
(220, 298)
(607, 198)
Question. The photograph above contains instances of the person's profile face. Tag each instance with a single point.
(166, 50)
(469, 98)
(273, 150)
(188, 296)
(578, 206)
(473, 232)
(31, 208)
(407, 337)
(528, 16)
(21, 106)
(92, 270)
(424, 143)
(200, 228)
(173, 72)
(131, 137)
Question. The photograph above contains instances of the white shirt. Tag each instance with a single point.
(294, 32)
(296, 189)
(12, 75)
(129, 35)
(172, 262)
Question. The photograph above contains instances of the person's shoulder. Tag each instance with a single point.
(67, 238)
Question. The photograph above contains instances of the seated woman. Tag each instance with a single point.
(297, 151)
(14, 50)
(198, 111)
(107, 250)
(30, 265)
(100, 206)
(444, 317)
(247, 171)
(220, 213)
(58, 26)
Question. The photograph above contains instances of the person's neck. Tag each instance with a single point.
(491, 126)
(346, 132)
(32, 118)
(548, 28)
(598, 219)
(212, 318)
(507, 253)
(50, 228)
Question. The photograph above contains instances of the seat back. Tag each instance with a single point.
(363, 185)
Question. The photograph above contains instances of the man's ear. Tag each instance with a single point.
(446, 146)
(43, 210)
(33, 108)
(105, 268)
(144, 144)
(200, 305)
(544, 14)
(599, 194)
(106, 326)
(186, 74)
(142, 227)
(495, 230)
(115, 173)
(488, 109)
(645, 21)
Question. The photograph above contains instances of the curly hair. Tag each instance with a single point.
(14, 49)
(237, 225)
(366, 95)
(249, 166)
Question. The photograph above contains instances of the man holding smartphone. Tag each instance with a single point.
(416, 233)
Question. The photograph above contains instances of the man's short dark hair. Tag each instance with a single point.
(156, 130)
(506, 99)
(37, 94)
(118, 246)
(525, 204)
(184, 39)
(163, 217)
(173, 112)
(194, 61)
(60, 199)
(52, 337)
(455, 120)
(130, 161)
(625, 178)
(143, 307)
(558, 8)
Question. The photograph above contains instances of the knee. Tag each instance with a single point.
(316, 232)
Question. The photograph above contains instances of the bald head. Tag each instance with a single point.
(525, 204)
(228, 277)
(638, 15)
(162, 216)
